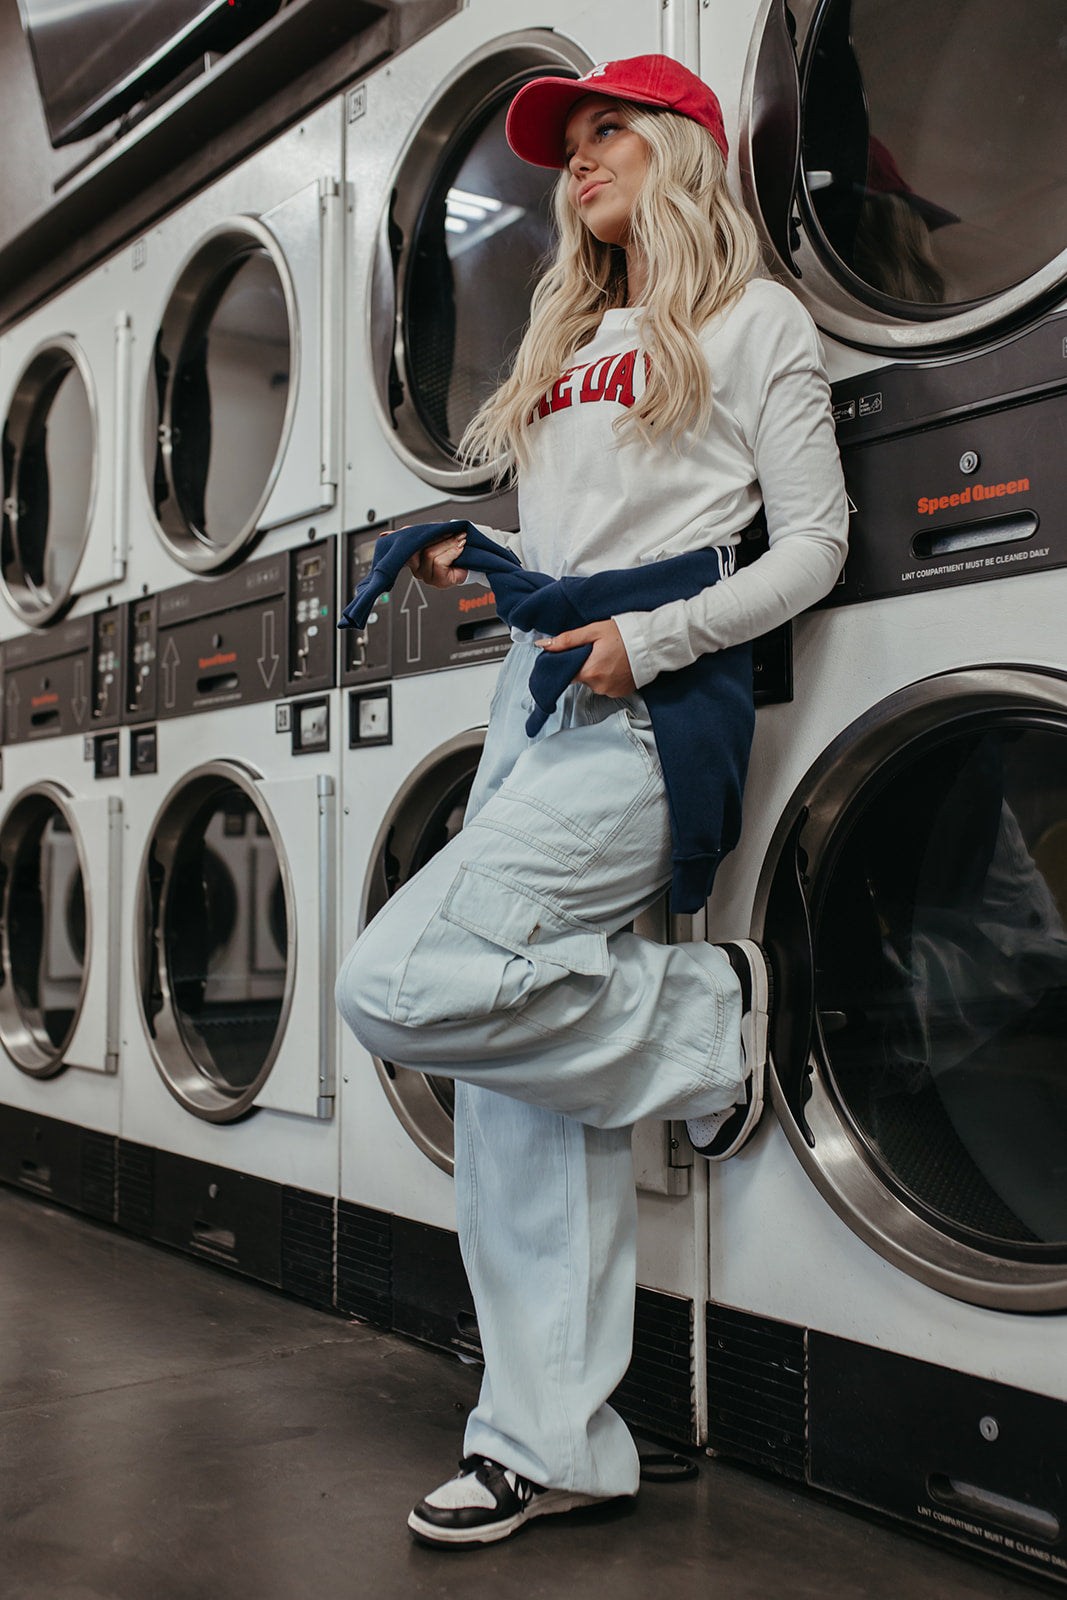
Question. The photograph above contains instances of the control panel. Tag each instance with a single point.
(262, 633)
(955, 471)
(68, 680)
(415, 628)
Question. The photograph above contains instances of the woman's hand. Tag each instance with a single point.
(607, 671)
(433, 565)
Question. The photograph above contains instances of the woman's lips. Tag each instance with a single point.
(590, 190)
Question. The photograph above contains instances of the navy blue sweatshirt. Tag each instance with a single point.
(702, 716)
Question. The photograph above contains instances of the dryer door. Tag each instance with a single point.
(425, 815)
(59, 893)
(466, 228)
(50, 465)
(238, 420)
(915, 908)
(231, 963)
(907, 164)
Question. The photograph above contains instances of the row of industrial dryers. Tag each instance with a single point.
(872, 1296)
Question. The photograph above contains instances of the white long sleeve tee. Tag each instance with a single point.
(589, 502)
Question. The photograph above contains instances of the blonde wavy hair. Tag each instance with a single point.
(701, 249)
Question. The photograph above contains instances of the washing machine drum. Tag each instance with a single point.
(424, 816)
(43, 932)
(932, 860)
(49, 465)
(220, 395)
(214, 971)
(931, 196)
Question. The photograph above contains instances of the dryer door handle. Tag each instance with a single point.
(788, 941)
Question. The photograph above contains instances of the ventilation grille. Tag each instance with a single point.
(656, 1395)
(307, 1246)
(98, 1175)
(364, 1264)
(757, 1403)
(135, 1172)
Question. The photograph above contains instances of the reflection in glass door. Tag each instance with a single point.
(934, 143)
(941, 980)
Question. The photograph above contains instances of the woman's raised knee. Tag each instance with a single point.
(362, 991)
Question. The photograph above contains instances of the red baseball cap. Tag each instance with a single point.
(537, 120)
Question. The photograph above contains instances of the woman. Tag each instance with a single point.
(659, 395)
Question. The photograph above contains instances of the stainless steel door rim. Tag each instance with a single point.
(834, 1149)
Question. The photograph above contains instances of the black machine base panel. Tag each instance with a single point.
(656, 1395)
(230, 1218)
(431, 1297)
(364, 1264)
(58, 1160)
(756, 1390)
(975, 1461)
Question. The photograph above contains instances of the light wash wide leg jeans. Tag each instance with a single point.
(504, 964)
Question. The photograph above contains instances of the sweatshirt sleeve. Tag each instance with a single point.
(796, 460)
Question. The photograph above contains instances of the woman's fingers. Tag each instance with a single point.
(607, 670)
(575, 637)
(434, 564)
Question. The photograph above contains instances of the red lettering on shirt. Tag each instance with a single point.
(609, 378)
(561, 390)
(620, 385)
(596, 380)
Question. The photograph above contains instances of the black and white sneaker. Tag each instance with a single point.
(724, 1132)
(484, 1502)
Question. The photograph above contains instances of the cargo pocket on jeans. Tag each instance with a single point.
(515, 943)
(508, 915)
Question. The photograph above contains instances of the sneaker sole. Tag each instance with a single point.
(559, 1500)
(755, 1037)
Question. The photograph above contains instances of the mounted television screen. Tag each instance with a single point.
(96, 58)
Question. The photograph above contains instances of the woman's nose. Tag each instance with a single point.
(580, 162)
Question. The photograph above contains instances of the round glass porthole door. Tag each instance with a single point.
(425, 815)
(44, 945)
(217, 942)
(928, 198)
(468, 225)
(220, 395)
(932, 1107)
(49, 460)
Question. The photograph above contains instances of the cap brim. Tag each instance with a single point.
(537, 119)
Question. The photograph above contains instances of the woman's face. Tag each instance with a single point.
(607, 163)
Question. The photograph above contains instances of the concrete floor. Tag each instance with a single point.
(169, 1432)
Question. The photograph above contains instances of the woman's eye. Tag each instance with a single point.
(608, 127)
